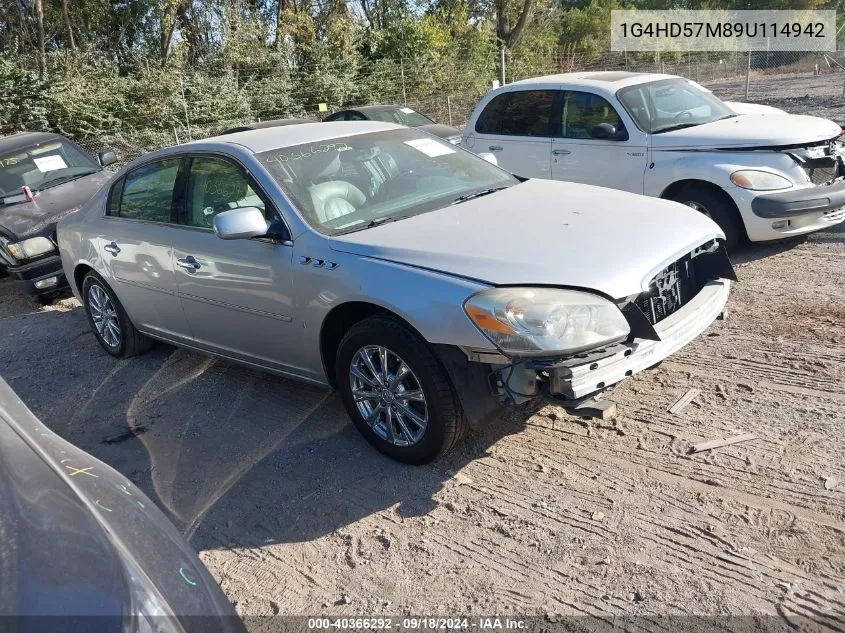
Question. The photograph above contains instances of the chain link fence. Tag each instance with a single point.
(798, 83)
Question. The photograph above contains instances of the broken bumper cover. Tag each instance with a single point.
(578, 378)
(786, 204)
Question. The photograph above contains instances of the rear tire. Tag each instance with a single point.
(109, 321)
(416, 428)
(719, 207)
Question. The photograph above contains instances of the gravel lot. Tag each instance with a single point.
(295, 514)
(817, 95)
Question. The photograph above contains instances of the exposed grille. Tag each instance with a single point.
(670, 290)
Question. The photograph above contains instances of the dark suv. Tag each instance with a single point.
(43, 178)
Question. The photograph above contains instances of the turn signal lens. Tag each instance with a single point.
(759, 180)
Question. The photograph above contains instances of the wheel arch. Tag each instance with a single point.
(79, 273)
(338, 321)
(674, 190)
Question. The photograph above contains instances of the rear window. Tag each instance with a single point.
(519, 113)
(146, 193)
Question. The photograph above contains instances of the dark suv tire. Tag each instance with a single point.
(109, 321)
(397, 392)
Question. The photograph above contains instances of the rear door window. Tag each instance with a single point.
(520, 113)
(146, 193)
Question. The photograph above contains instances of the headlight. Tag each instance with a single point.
(33, 247)
(759, 180)
(454, 140)
(545, 320)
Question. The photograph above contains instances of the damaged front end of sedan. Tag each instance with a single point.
(680, 302)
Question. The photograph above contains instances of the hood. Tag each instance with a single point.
(543, 232)
(752, 108)
(749, 130)
(51, 205)
(443, 131)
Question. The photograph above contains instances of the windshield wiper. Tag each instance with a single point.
(672, 128)
(476, 194)
(62, 179)
(372, 223)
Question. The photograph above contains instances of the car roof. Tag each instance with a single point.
(267, 139)
(260, 125)
(21, 140)
(606, 80)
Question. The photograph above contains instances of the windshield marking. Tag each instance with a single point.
(281, 159)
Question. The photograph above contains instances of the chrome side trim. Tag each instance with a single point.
(232, 306)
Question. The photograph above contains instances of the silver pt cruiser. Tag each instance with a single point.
(425, 284)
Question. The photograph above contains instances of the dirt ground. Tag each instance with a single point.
(293, 512)
(817, 95)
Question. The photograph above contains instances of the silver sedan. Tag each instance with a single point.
(427, 285)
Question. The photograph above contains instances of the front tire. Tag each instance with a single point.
(396, 391)
(719, 207)
(109, 321)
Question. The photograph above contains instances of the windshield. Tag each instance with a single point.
(42, 166)
(671, 104)
(402, 116)
(355, 182)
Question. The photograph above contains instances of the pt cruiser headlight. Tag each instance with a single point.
(33, 247)
(535, 321)
(759, 180)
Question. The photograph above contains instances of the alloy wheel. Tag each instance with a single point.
(388, 395)
(104, 315)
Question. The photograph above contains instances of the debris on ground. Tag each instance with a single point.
(684, 400)
(720, 442)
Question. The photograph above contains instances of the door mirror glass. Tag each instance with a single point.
(106, 157)
(605, 131)
(241, 224)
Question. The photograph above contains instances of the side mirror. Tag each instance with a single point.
(106, 157)
(608, 132)
(241, 224)
(490, 158)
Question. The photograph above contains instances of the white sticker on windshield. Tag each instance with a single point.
(430, 147)
(406, 110)
(50, 163)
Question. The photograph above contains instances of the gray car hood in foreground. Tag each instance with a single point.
(543, 232)
(50, 206)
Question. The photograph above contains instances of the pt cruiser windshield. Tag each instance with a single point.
(672, 104)
(356, 182)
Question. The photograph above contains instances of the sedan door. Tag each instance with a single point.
(136, 250)
(595, 146)
(517, 127)
(236, 294)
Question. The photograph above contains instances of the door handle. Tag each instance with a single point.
(112, 248)
(188, 263)
(560, 152)
(495, 148)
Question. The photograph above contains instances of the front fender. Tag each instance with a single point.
(669, 167)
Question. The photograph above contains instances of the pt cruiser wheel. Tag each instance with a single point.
(112, 328)
(718, 206)
(396, 392)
